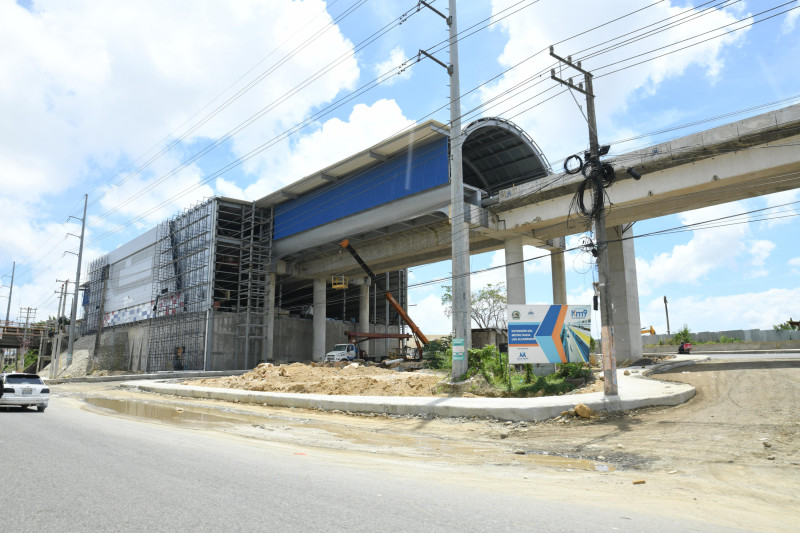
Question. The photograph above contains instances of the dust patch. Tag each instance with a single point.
(352, 380)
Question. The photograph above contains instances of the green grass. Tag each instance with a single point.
(505, 380)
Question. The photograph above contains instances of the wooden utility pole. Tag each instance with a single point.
(666, 310)
(607, 311)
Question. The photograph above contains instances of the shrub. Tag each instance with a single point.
(438, 354)
(489, 362)
(683, 335)
(573, 371)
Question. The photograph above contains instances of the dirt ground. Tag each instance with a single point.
(356, 380)
(348, 379)
(731, 455)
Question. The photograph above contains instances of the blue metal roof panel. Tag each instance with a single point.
(403, 175)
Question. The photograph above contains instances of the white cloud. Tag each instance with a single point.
(705, 251)
(790, 22)
(86, 88)
(331, 142)
(153, 198)
(397, 58)
(556, 125)
(795, 262)
(100, 81)
(781, 214)
(428, 313)
(759, 252)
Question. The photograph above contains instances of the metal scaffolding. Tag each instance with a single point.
(243, 254)
(93, 294)
(181, 291)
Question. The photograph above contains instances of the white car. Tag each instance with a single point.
(23, 390)
(342, 352)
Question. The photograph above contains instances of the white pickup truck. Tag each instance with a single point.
(342, 352)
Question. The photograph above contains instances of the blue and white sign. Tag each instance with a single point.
(548, 333)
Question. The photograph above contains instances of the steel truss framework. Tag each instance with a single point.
(242, 255)
(213, 258)
(181, 291)
(92, 294)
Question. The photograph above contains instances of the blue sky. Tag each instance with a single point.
(92, 92)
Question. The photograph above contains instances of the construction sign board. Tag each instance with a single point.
(549, 333)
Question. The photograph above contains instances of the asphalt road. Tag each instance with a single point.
(70, 469)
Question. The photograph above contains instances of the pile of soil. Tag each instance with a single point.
(352, 379)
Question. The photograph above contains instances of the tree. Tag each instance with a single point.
(488, 305)
(789, 325)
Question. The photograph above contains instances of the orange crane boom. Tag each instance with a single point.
(419, 337)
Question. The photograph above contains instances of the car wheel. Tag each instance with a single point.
(40, 408)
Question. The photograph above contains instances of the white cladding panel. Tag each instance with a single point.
(130, 280)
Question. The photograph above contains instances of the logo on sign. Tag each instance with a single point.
(579, 313)
(522, 355)
(515, 315)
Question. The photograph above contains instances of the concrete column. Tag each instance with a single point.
(624, 295)
(515, 272)
(319, 323)
(559, 275)
(269, 354)
(363, 307)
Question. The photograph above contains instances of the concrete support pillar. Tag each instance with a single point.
(624, 295)
(559, 275)
(363, 307)
(515, 272)
(269, 344)
(319, 323)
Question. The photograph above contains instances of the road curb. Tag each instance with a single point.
(636, 391)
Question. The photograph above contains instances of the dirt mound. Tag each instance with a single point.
(351, 379)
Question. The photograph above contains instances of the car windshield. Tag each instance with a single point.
(24, 380)
(340, 348)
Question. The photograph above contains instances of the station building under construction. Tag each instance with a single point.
(228, 284)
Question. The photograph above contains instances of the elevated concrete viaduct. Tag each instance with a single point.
(514, 198)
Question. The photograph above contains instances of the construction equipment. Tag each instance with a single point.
(649, 330)
(419, 338)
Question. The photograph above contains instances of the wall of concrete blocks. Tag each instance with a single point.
(745, 335)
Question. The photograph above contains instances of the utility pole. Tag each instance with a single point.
(10, 290)
(23, 348)
(666, 309)
(74, 314)
(62, 302)
(459, 230)
(607, 312)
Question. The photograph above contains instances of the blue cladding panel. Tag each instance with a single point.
(404, 175)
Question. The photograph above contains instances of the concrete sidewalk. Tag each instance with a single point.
(635, 390)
